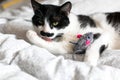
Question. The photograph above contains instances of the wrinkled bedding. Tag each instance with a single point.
(21, 60)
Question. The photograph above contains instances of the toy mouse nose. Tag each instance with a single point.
(46, 34)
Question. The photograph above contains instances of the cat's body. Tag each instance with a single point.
(55, 26)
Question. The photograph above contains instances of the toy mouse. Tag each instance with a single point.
(84, 42)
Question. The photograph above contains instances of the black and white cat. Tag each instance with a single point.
(55, 26)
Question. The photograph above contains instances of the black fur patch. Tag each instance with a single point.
(86, 20)
(113, 18)
(102, 48)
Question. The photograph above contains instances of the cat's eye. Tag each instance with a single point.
(55, 23)
(40, 22)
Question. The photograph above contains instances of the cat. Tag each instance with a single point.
(56, 25)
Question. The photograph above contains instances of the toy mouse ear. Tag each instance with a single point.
(79, 36)
(97, 35)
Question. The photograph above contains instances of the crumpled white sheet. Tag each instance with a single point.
(13, 72)
(20, 60)
(17, 55)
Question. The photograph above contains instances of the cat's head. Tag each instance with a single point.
(50, 20)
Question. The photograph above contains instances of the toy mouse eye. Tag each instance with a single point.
(88, 37)
(55, 23)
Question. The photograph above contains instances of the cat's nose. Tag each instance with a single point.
(46, 34)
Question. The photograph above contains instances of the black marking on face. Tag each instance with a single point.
(46, 34)
(102, 48)
(59, 21)
(113, 18)
(86, 20)
(38, 20)
(56, 16)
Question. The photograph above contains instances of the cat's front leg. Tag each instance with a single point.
(93, 52)
(53, 47)
(92, 55)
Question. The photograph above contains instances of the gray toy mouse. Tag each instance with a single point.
(84, 42)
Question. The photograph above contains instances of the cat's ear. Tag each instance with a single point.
(66, 7)
(35, 5)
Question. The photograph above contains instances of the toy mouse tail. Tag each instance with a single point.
(72, 42)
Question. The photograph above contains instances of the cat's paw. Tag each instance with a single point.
(90, 61)
(30, 34)
(34, 38)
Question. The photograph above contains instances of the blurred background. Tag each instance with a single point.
(15, 17)
(12, 9)
(10, 4)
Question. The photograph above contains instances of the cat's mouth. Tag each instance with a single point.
(52, 39)
(47, 39)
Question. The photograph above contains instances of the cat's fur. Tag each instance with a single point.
(55, 26)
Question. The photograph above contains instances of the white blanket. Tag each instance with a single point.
(20, 60)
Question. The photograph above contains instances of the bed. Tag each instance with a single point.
(21, 60)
